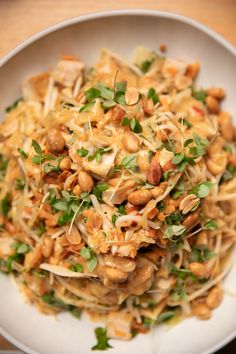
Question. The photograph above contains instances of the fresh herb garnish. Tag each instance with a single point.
(77, 267)
(185, 122)
(153, 95)
(6, 205)
(3, 167)
(210, 225)
(22, 153)
(145, 66)
(202, 189)
(90, 256)
(92, 93)
(82, 152)
(174, 230)
(133, 123)
(102, 339)
(20, 184)
(174, 218)
(39, 157)
(51, 299)
(99, 189)
(13, 105)
(98, 154)
(201, 253)
(200, 96)
(129, 162)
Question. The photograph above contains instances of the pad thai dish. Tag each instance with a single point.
(118, 192)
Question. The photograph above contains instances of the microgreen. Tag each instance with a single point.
(20, 184)
(97, 155)
(102, 339)
(201, 253)
(77, 267)
(200, 96)
(3, 167)
(13, 105)
(39, 157)
(202, 189)
(22, 153)
(6, 205)
(82, 152)
(174, 230)
(145, 66)
(210, 225)
(50, 299)
(133, 123)
(174, 218)
(99, 189)
(87, 107)
(185, 122)
(89, 255)
(153, 95)
(129, 162)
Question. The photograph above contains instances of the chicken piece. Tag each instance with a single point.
(67, 71)
(117, 196)
(101, 169)
(119, 325)
(35, 88)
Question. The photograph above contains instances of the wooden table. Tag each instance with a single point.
(20, 19)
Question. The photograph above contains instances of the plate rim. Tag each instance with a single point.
(105, 14)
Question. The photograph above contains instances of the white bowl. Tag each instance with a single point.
(121, 31)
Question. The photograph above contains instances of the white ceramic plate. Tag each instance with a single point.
(120, 31)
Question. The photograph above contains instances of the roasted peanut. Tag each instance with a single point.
(202, 238)
(190, 220)
(55, 140)
(226, 126)
(188, 203)
(117, 114)
(77, 190)
(147, 105)
(216, 164)
(121, 263)
(214, 297)
(130, 142)
(213, 105)
(198, 269)
(140, 197)
(114, 274)
(169, 209)
(156, 192)
(73, 236)
(216, 146)
(216, 92)
(202, 311)
(131, 96)
(143, 163)
(65, 164)
(154, 172)
(192, 70)
(85, 181)
(47, 247)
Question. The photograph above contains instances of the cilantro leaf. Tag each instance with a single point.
(77, 268)
(20, 184)
(174, 230)
(202, 189)
(210, 225)
(145, 66)
(102, 339)
(135, 125)
(37, 147)
(152, 94)
(129, 162)
(200, 96)
(92, 93)
(22, 153)
(6, 205)
(13, 105)
(99, 189)
(82, 152)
